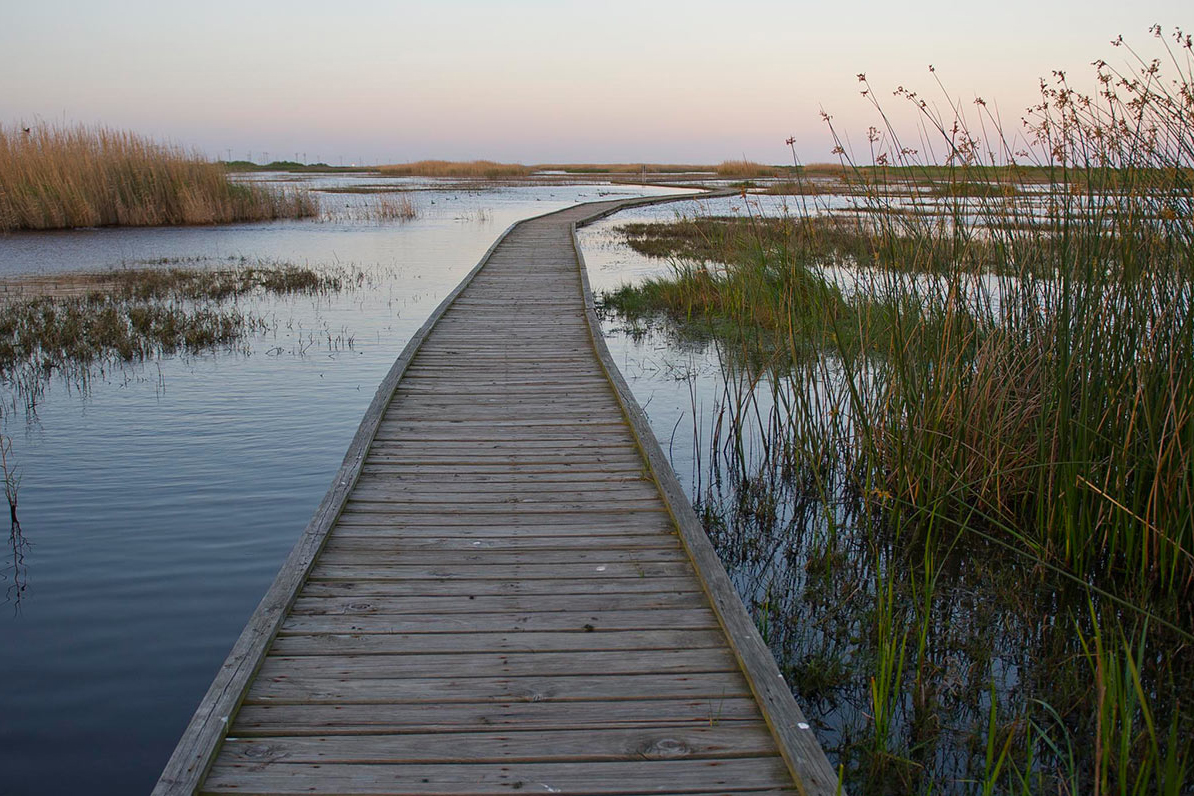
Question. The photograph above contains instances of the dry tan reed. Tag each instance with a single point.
(625, 168)
(746, 168)
(451, 168)
(54, 177)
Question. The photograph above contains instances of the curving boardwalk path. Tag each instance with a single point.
(505, 590)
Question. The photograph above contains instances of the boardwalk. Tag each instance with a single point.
(505, 590)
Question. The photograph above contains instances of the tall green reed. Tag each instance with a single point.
(1005, 372)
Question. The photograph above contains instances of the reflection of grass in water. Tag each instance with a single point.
(17, 544)
(997, 478)
(70, 323)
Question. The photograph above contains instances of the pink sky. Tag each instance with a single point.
(535, 81)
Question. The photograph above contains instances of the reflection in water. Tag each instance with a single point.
(17, 543)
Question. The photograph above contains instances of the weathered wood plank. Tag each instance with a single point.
(492, 557)
(527, 520)
(470, 604)
(504, 664)
(596, 778)
(292, 720)
(668, 743)
(522, 641)
(509, 508)
(540, 688)
(508, 572)
(396, 539)
(437, 587)
(506, 622)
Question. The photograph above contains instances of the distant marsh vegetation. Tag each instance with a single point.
(58, 177)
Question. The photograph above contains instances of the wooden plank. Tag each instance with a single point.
(396, 539)
(594, 479)
(543, 497)
(481, 535)
(627, 469)
(559, 521)
(478, 588)
(539, 688)
(511, 572)
(293, 720)
(462, 488)
(511, 508)
(667, 743)
(596, 778)
(498, 622)
(492, 557)
(470, 604)
(505, 664)
(522, 641)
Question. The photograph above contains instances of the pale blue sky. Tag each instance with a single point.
(531, 81)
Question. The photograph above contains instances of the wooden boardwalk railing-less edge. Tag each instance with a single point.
(505, 589)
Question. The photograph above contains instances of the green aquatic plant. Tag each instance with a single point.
(991, 393)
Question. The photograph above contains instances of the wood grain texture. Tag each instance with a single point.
(502, 591)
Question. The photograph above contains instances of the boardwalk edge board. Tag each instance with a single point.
(797, 743)
(199, 745)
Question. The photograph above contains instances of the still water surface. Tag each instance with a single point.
(160, 501)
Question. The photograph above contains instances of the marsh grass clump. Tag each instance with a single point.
(380, 208)
(625, 168)
(51, 332)
(486, 169)
(747, 169)
(55, 177)
(987, 423)
(76, 322)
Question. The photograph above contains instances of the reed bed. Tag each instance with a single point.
(625, 168)
(486, 169)
(1005, 387)
(748, 169)
(378, 208)
(73, 324)
(55, 177)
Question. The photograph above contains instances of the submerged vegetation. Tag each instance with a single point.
(970, 468)
(60, 177)
(70, 324)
